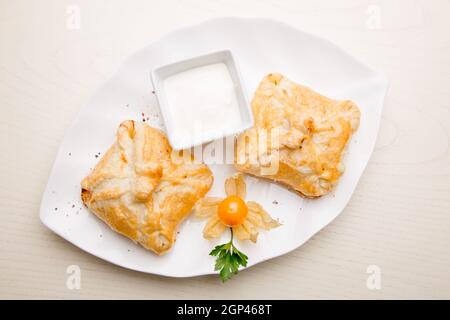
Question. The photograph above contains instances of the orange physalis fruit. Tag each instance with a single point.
(232, 211)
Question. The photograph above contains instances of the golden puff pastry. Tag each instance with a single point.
(143, 190)
(299, 136)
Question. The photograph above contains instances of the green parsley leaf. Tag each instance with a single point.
(229, 259)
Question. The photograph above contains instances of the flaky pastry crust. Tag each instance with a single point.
(141, 189)
(301, 131)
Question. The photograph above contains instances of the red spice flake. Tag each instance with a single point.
(143, 114)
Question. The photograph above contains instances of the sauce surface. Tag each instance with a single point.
(201, 101)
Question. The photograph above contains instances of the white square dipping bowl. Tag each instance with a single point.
(159, 74)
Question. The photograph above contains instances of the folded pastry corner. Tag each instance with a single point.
(299, 136)
(141, 190)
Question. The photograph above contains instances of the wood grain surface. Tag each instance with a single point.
(398, 219)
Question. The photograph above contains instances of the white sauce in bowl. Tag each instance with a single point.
(202, 100)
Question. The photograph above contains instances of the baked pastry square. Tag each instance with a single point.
(299, 136)
(143, 190)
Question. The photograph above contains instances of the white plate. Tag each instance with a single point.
(261, 46)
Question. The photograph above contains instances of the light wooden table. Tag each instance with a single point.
(398, 218)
